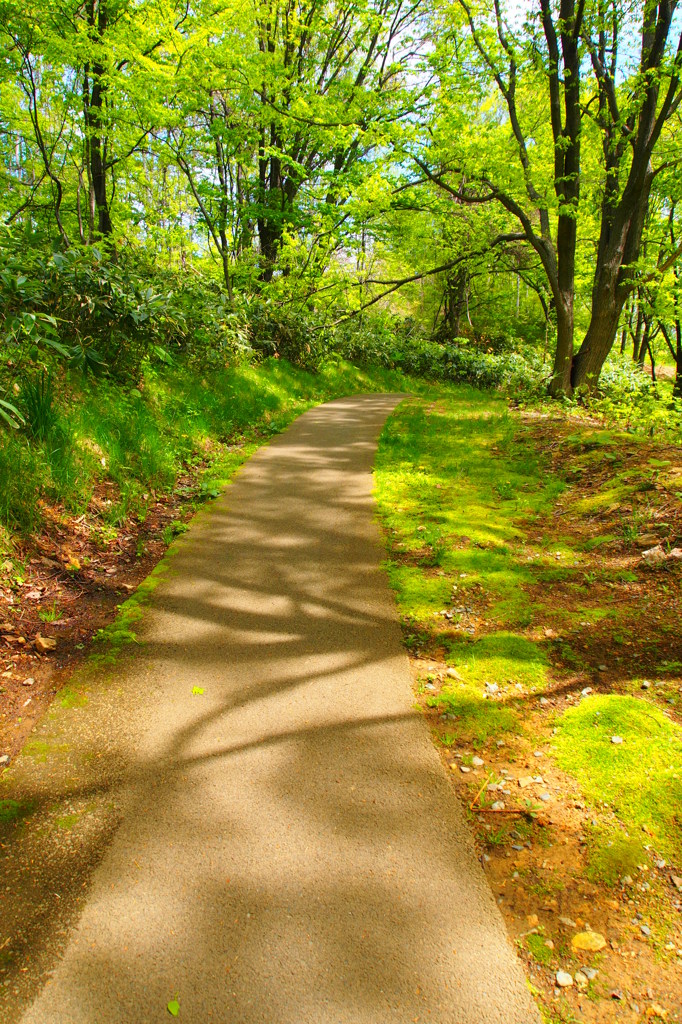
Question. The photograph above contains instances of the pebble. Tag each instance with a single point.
(616, 739)
(492, 787)
(477, 762)
(538, 753)
(453, 674)
(567, 922)
(660, 864)
(589, 941)
(44, 644)
(586, 691)
(545, 796)
(564, 979)
(492, 687)
(516, 846)
(580, 980)
(544, 701)
(601, 668)
(677, 881)
(590, 972)
(28, 682)
(498, 805)
(463, 768)
(500, 743)
(4, 759)
(645, 930)
(646, 685)
(627, 880)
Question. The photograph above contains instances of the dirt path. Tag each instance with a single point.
(289, 850)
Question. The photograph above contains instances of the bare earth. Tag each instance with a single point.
(284, 847)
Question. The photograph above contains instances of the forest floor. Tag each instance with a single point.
(547, 659)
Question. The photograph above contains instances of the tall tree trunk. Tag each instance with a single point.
(677, 386)
(560, 383)
(607, 305)
(96, 143)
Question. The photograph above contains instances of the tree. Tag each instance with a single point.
(545, 58)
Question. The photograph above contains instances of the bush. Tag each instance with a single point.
(286, 332)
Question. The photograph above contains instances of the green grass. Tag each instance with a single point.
(503, 658)
(640, 779)
(476, 720)
(439, 466)
(453, 482)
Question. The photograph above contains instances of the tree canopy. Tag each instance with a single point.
(466, 165)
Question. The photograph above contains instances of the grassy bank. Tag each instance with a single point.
(547, 662)
(109, 450)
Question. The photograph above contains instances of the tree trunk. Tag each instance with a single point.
(560, 383)
(677, 386)
(607, 304)
(96, 144)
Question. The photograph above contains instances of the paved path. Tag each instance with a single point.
(292, 852)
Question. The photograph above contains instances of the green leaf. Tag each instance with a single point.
(173, 1007)
(8, 412)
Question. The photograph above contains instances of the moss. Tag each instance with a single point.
(37, 749)
(120, 632)
(640, 778)
(612, 856)
(69, 697)
(67, 821)
(12, 811)
(503, 658)
(475, 720)
(539, 949)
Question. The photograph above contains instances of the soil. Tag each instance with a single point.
(537, 865)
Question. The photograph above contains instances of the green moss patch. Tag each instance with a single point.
(539, 949)
(640, 778)
(502, 658)
(12, 811)
(473, 719)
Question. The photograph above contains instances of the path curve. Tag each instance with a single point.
(292, 852)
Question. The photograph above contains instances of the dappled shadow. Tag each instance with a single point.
(289, 849)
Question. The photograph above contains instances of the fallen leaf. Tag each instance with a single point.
(173, 1007)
